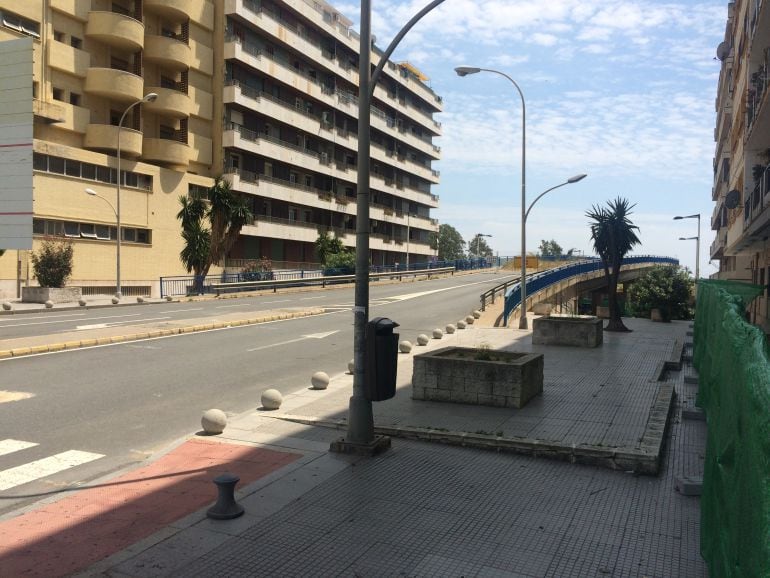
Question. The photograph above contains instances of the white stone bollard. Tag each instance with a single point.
(49, 304)
(405, 346)
(169, 298)
(320, 380)
(422, 339)
(477, 314)
(470, 319)
(214, 421)
(351, 365)
(461, 324)
(140, 299)
(438, 334)
(7, 305)
(82, 302)
(450, 329)
(115, 300)
(271, 399)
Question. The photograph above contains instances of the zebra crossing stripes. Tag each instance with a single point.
(41, 468)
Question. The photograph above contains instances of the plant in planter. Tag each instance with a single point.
(52, 263)
(261, 270)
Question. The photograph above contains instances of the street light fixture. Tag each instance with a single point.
(150, 97)
(697, 244)
(525, 214)
(465, 71)
(478, 242)
(360, 433)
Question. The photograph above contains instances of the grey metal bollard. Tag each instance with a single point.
(226, 507)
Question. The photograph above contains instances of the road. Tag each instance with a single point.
(105, 407)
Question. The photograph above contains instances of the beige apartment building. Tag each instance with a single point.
(741, 219)
(263, 92)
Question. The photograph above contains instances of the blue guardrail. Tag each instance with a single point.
(540, 281)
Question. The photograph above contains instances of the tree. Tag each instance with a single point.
(210, 227)
(326, 245)
(666, 288)
(613, 235)
(478, 247)
(550, 248)
(451, 245)
(52, 263)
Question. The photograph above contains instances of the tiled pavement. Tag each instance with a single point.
(425, 509)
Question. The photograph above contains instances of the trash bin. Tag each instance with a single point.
(381, 359)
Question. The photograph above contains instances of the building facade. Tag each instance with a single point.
(262, 92)
(741, 219)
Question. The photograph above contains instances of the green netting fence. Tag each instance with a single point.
(731, 357)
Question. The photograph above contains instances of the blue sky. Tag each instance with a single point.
(621, 90)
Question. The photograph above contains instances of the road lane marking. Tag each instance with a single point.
(69, 320)
(236, 305)
(32, 471)
(182, 310)
(277, 301)
(6, 396)
(310, 298)
(10, 446)
(49, 316)
(310, 336)
(114, 323)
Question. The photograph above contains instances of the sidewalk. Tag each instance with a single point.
(436, 509)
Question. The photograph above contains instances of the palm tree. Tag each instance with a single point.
(613, 235)
(226, 212)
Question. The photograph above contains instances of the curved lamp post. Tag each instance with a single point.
(150, 97)
(360, 433)
(697, 243)
(465, 71)
(523, 315)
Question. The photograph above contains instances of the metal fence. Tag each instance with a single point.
(198, 285)
(540, 281)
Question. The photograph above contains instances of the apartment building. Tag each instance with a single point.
(742, 158)
(264, 92)
(92, 61)
(290, 136)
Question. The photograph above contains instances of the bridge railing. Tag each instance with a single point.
(540, 281)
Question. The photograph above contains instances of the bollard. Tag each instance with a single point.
(226, 507)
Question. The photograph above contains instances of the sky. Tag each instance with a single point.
(621, 90)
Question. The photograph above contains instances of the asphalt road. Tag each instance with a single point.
(340, 297)
(127, 401)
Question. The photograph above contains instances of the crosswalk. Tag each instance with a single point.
(39, 468)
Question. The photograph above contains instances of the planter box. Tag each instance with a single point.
(575, 330)
(43, 294)
(453, 374)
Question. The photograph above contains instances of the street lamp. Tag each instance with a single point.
(478, 242)
(150, 97)
(697, 243)
(465, 71)
(525, 214)
(360, 433)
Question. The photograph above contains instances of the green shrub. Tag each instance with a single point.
(666, 288)
(52, 263)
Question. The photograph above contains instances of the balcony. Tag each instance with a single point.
(718, 246)
(172, 10)
(165, 151)
(118, 30)
(167, 52)
(68, 59)
(47, 112)
(104, 137)
(170, 103)
(114, 84)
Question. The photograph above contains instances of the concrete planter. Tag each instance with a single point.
(55, 295)
(574, 330)
(455, 374)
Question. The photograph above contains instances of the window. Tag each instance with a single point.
(88, 171)
(71, 168)
(88, 230)
(293, 178)
(167, 132)
(39, 162)
(38, 227)
(115, 117)
(106, 175)
(58, 35)
(128, 234)
(119, 64)
(307, 216)
(76, 42)
(56, 165)
(308, 181)
(20, 24)
(58, 94)
(71, 229)
(75, 99)
(292, 213)
(142, 236)
(103, 232)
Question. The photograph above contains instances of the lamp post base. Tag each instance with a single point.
(368, 449)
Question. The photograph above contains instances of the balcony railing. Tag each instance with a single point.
(756, 93)
(757, 199)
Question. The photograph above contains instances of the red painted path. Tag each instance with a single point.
(73, 533)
